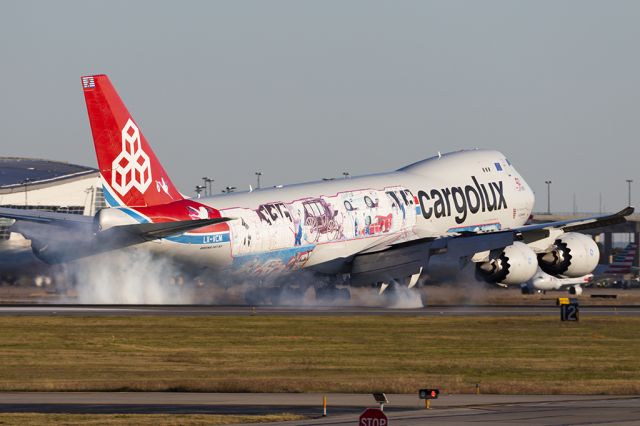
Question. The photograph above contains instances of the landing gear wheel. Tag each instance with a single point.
(390, 295)
(331, 294)
(287, 295)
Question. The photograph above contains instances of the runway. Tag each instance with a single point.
(343, 409)
(202, 310)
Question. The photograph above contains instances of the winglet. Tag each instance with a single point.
(627, 211)
(600, 221)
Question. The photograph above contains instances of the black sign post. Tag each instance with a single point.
(569, 310)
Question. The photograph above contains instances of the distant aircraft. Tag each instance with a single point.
(622, 262)
(544, 282)
(379, 229)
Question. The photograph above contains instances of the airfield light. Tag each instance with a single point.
(324, 406)
(381, 399)
(429, 393)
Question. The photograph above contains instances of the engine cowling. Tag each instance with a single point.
(516, 264)
(574, 255)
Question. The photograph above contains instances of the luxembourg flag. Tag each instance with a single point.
(88, 83)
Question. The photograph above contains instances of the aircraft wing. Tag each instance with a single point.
(76, 236)
(410, 257)
(580, 224)
(407, 258)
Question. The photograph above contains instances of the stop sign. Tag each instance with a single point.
(373, 417)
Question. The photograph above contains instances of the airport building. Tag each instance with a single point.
(27, 183)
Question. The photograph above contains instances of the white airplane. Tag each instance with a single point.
(379, 229)
(543, 282)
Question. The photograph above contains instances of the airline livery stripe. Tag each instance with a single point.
(111, 201)
(183, 238)
(200, 239)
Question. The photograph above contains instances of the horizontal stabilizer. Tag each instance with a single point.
(44, 216)
(62, 237)
(154, 231)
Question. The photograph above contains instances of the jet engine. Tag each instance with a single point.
(573, 255)
(515, 264)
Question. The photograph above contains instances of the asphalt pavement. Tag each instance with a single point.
(344, 409)
(209, 310)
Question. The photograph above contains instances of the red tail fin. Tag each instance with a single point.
(131, 173)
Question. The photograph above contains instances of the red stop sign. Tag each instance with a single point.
(373, 417)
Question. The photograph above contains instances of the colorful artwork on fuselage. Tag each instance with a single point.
(283, 234)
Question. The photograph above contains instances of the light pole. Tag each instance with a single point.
(548, 182)
(199, 189)
(345, 174)
(207, 185)
(229, 189)
(600, 202)
(26, 183)
(629, 187)
(258, 174)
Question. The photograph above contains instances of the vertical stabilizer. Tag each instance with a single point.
(131, 173)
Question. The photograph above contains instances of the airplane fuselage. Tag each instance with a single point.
(311, 225)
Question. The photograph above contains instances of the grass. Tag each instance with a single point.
(24, 419)
(599, 355)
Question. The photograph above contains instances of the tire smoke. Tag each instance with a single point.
(128, 277)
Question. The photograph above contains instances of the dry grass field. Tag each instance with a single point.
(598, 355)
(26, 419)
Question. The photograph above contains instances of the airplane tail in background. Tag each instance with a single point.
(131, 174)
(623, 262)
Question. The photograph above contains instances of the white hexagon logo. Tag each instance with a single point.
(131, 168)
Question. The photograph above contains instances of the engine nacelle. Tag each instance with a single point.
(516, 264)
(574, 255)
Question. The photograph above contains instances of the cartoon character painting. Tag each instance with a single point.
(261, 235)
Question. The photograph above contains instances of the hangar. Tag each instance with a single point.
(27, 183)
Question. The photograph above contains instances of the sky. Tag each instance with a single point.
(302, 90)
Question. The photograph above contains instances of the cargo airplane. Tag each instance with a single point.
(379, 229)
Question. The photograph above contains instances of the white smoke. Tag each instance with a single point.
(137, 277)
(129, 277)
(301, 291)
(406, 298)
